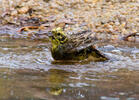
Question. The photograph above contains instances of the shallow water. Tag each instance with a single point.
(27, 72)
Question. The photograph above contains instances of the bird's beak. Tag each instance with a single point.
(50, 34)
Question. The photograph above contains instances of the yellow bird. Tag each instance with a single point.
(76, 47)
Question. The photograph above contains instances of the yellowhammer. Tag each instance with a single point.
(75, 47)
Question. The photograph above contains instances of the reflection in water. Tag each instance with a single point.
(56, 83)
(56, 78)
(55, 91)
(27, 73)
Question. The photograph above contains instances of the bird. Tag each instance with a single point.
(76, 47)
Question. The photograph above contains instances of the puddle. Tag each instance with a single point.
(27, 73)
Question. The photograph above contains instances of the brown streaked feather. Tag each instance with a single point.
(79, 41)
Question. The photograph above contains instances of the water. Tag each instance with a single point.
(27, 72)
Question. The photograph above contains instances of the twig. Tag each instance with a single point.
(129, 35)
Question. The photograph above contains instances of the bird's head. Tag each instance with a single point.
(57, 37)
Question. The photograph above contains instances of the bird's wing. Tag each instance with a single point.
(79, 41)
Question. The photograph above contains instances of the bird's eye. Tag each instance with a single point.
(58, 34)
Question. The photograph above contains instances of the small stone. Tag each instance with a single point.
(23, 10)
(14, 13)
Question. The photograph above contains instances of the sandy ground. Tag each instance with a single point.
(111, 19)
